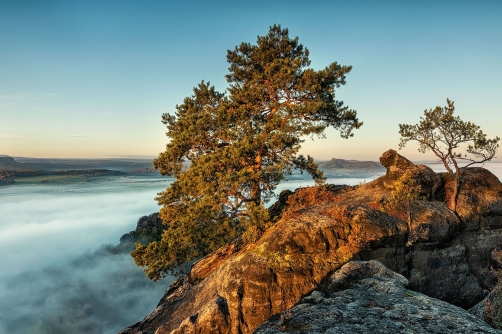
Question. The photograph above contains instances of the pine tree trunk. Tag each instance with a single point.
(254, 190)
(409, 221)
(454, 196)
(409, 217)
(255, 193)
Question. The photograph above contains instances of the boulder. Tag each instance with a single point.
(490, 308)
(432, 222)
(366, 297)
(275, 210)
(479, 202)
(397, 165)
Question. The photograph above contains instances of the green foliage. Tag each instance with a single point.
(239, 146)
(308, 164)
(442, 133)
(406, 190)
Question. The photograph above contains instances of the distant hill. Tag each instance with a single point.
(47, 164)
(351, 164)
(15, 167)
(8, 163)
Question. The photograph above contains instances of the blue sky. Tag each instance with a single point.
(92, 78)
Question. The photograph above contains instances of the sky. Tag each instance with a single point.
(89, 79)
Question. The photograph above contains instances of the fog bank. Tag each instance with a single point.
(98, 292)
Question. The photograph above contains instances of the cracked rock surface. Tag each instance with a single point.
(366, 297)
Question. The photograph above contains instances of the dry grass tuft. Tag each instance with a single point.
(305, 197)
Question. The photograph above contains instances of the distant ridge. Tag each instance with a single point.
(8, 163)
(52, 164)
(24, 167)
(351, 164)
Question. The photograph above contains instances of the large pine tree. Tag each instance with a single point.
(240, 145)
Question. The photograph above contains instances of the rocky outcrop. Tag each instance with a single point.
(442, 253)
(366, 297)
(275, 210)
(265, 278)
(479, 203)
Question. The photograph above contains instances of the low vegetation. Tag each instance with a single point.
(406, 190)
(304, 197)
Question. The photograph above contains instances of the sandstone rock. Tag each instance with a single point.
(429, 180)
(479, 203)
(397, 165)
(444, 255)
(394, 162)
(205, 266)
(490, 308)
(366, 297)
(484, 309)
(432, 222)
(479, 246)
(444, 273)
(275, 210)
(265, 278)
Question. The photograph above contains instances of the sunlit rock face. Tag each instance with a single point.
(442, 253)
(366, 297)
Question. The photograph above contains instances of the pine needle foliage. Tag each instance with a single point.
(405, 191)
(239, 145)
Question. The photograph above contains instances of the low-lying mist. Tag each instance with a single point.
(55, 276)
(99, 292)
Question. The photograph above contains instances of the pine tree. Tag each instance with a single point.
(443, 133)
(239, 146)
(405, 191)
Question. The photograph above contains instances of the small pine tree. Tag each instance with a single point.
(406, 190)
(440, 132)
